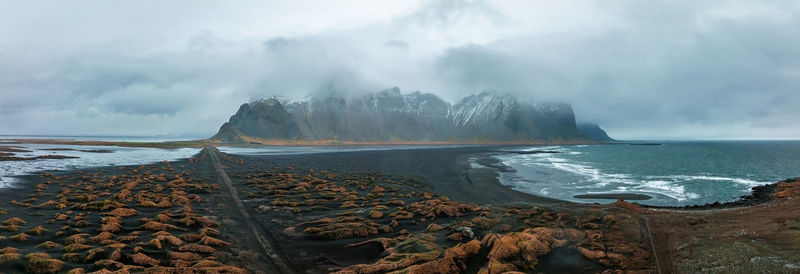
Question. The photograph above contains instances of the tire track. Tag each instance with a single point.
(644, 224)
(264, 239)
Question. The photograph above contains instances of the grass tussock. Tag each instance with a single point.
(197, 248)
(117, 246)
(76, 247)
(111, 227)
(76, 271)
(155, 243)
(38, 230)
(10, 257)
(207, 263)
(76, 239)
(109, 264)
(14, 221)
(123, 212)
(11, 228)
(48, 245)
(115, 255)
(142, 259)
(8, 250)
(20, 237)
(72, 257)
(42, 263)
(185, 256)
(103, 236)
(210, 241)
(164, 236)
(158, 226)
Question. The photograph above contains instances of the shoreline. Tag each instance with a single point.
(199, 143)
(758, 195)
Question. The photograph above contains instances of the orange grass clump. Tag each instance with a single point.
(158, 226)
(109, 263)
(165, 203)
(48, 245)
(115, 255)
(10, 257)
(375, 214)
(128, 238)
(162, 218)
(185, 256)
(197, 248)
(155, 243)
(223, 269)
(142, 259)
(8, 250)
(60, 217)
(93, 253)
(11, 228)
(209, 231)
(76, 247)
(210, 241)
(76, 239)
(14, 221)
(103, 236)
(76, 271)
(38, 230)
(123, 212)
(206, 263)
(165, 236)
(21, 237)
(42, 263)
(191, 237)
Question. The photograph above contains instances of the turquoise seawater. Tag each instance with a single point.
(673, 173)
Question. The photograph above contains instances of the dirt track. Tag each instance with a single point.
(265, 240)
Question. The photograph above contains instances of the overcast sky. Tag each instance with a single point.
(641, 69)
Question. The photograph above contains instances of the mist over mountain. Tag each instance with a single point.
(390, 116)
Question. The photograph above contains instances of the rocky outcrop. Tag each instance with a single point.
(389, 116)
(266, 118)
(594, 132)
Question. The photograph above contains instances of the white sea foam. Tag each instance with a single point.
(707, 177)
(595, 180)
(555, 148)
(670, 189)
(735, 180)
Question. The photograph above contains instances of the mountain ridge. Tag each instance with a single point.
(388, 116)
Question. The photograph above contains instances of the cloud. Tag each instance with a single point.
(399, 44)
(674, 69)
(718, 74)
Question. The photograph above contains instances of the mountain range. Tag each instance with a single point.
(389, 116)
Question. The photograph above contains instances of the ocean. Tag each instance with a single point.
(87, 156)
(674, 173)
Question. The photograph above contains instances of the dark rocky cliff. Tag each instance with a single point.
(388, 116)
(594, 132)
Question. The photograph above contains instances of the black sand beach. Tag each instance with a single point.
(415, 210)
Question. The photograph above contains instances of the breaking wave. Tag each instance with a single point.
(560, 172)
